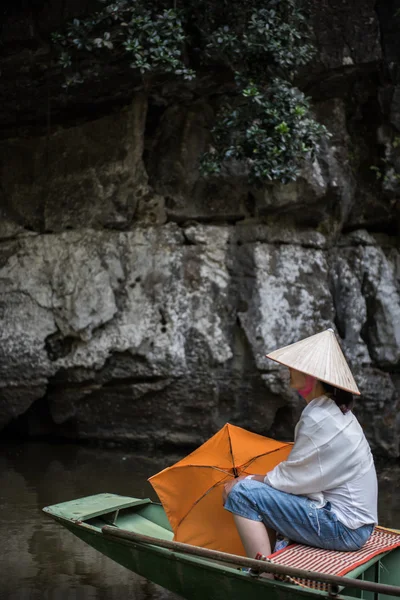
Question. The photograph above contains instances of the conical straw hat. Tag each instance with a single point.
(320, 356)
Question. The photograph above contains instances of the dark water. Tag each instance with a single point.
(39, 560)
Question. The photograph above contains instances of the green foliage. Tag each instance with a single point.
(152, 41)
(273, 39)
(272, 131)
(396, 142)
(267, 122)
(387, 171)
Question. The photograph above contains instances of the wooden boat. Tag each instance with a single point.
(136, 534)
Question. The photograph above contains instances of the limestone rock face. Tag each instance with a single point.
(159, 334)
(367, 299)
(49, 184)
(342, 40)
(368, 303)
(138, 299)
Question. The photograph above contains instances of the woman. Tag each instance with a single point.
(325, 493)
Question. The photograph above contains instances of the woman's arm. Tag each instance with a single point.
(319, 459)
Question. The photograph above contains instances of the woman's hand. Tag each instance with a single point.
(231, 484)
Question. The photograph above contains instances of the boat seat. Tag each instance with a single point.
(358, 563)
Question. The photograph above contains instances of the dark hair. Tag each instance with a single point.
(343, 399)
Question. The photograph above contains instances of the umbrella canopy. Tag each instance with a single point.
(191, 490)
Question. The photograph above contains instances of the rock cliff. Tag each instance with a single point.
(137, 299)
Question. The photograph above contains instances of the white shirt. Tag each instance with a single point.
(330, 461)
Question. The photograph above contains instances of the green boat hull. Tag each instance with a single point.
(191, 577)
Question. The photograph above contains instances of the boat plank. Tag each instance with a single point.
(90, 507)
(138, 523)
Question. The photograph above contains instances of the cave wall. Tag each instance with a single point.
(138, 300)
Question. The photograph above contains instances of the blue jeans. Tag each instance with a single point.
(295, 517)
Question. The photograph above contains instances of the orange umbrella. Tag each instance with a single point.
(191, 490)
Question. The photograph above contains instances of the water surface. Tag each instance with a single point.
(43, 561)
(40, 559)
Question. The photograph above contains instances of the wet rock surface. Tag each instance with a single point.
(138, 298)
(133, 335)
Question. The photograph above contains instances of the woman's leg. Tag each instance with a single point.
(295, 517)
(255, 538)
